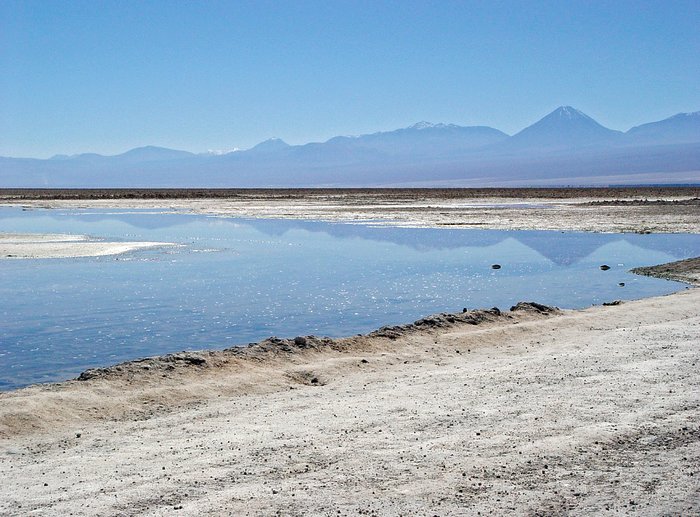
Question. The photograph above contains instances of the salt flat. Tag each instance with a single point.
(528, 412)
(602, 210)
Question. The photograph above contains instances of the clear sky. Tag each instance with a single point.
(107, 76)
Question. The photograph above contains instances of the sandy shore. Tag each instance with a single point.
(52, 245)
(524, 412)
(576, 412)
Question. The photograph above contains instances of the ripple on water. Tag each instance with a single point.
(237, 281)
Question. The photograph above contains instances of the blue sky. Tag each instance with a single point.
(106, 76)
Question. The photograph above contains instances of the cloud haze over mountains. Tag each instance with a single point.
(566, 147)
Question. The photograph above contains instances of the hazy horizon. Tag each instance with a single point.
(111, 76)
(275, 137)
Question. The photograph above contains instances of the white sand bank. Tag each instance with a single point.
(43, 246)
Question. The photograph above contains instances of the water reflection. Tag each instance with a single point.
(567, 249)
(236, 281)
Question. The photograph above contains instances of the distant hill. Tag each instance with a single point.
(566, 147)
(148, 153)
(681, 128)
(422, 139)
(565, 127)
(270, 146)
(152, 154)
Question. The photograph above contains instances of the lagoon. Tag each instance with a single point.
(233, 281)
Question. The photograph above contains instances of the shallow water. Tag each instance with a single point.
(234, 281)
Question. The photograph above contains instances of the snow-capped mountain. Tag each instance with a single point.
(219, 152)
(565, 147)
(565, 127)
(680, 128)
(422, 138)
(429, 125)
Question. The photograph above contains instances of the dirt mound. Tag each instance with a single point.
(534, 307)
(682, 270)
(275, 347)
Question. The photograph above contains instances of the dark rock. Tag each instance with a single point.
(495, 266)
(533, 307)
(395, 331)
(621, 284)
(186, 357)
(436, 321)
(604, 267)
(615, 302)
(92, 373)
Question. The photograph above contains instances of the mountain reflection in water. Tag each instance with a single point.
(235, 281)
(568, 248)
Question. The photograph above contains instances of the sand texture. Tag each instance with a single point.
(580, 412)
(531, 411)
(47, 246)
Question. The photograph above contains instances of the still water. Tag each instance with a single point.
(234, 281)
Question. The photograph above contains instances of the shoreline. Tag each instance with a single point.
(687, 271)
(541, 413)
(531, 411)
(274, 348)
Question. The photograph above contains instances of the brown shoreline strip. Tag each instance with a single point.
(687, 270)
(274, 347)
(161, 384)
(619, 193)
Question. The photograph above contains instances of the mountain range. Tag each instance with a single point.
(566, 147)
